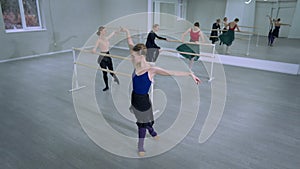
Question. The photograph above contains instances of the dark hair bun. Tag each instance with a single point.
(140, 48)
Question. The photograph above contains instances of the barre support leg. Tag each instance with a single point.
(248, 48)
(212, 65)
(75, 79)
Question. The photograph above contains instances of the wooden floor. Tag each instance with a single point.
(260, 128)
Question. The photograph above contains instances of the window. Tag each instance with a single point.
(21, 15)
(181, 9)
(159, 6)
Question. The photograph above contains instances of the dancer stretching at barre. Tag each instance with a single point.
(214, 32)
(104, 61)
(224, 26)
(152, 48)
(228, 37)
(141, 80)
(195, 36)
(274, 33)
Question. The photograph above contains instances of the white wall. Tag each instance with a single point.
(295, 28)
(239, 9)
(168, 22)
(114, 9)
(206, 12)
(286, 12)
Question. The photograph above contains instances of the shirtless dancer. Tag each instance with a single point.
(105, 62)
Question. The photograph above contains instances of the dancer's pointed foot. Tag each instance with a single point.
(156, 137)
(106, 88)
(141, 153)
(116, 79)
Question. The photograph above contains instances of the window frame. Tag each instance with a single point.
(26, 28)
(181, 11)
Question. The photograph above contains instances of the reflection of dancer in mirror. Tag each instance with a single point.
(225, 23)
(152, 48)
(195, 36)
(274, 33)
(142, 78)
(105, 62)
(224, 26)
(228, 37)
(214, 32)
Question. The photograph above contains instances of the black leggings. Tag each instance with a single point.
(105, 62)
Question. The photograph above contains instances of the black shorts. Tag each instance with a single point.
(141, 107)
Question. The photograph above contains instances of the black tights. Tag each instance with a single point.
(106, 63)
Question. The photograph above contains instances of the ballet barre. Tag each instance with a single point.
(242, 26)
(131, 29)
(75, 63)
(208, 44)
(102, 54)
(221, 30)
(225, 30)
(246, 39)
(195, 54)
(105, 70)
(192, 43)
(188, 53)
(210, 78)
(242, 38)
(75, 77)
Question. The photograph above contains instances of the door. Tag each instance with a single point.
(161, 9)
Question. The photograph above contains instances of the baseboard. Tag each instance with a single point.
(35, 56)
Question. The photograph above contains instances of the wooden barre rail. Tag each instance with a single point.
(188, 53)
(241, 38)
(105, 70)
(102, 54)
(234, 38)
(131, 29)
(221, 30)
(242, 26)
(192, 43)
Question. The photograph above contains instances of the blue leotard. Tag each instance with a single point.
(141, 83)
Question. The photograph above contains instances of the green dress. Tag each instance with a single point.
(227, 37)
(190, 48)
